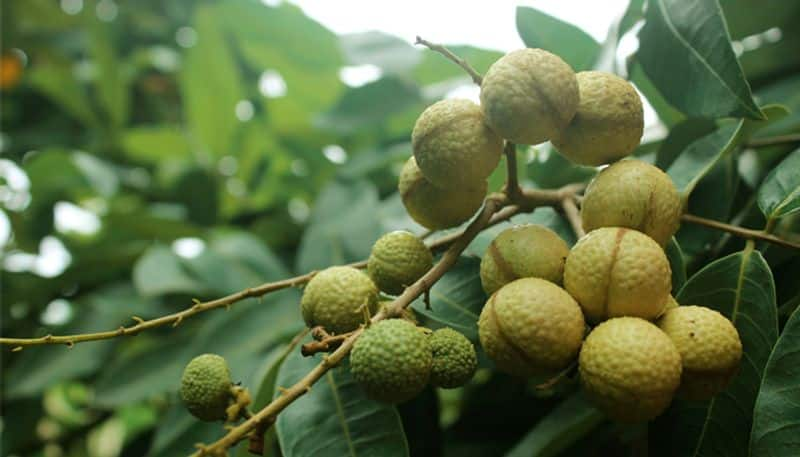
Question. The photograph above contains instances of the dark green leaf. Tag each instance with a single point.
(551, 170)
(685, 50)
(677, 265)
(680, 136)
(539, 30)
(56, 81)
(159, 272)
(335, 417)
(179, 431)
(779, 195)
(666, 112)
(701, 156)
(112, 85)
(741, 287)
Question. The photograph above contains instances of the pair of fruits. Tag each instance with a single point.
(528, 96)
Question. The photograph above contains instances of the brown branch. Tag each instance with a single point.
(512, 181)
(325, 344)
(748, 234)
(476, 77)
(773, 140)
(573, 216)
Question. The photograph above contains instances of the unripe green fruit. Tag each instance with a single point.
(206, 387)
(630, 369)
(336, 297)
(453, 145)
(529, 95)
(392, 361)
(436, 207)
(454, 358)
(523, 251)
(608, 124)
(531, 327)
(398, 259)
(615, 272)
(633, 194)
(710, 349)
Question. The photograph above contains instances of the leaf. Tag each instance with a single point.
(776, 417)
(550, 170)
(607, 59)
(456, 299)
(680, 136)
(335, 417)
(539, 30)
(56, 81)
(156, 143)
(740, 286)
(434, 68)
(178, 431)
(779, 194)
(701, 156)
(112, 86)
(784, 92)
(684, 48)
(385, 51)
(677, 264)
(666, 112)
(567, 423)
(159, 272)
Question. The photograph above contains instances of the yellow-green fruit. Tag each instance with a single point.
(453, 145)
(709, 346)
(206, 387)
(392, 361)
(454, 358)
(615, 272)
(529, 95)
(523, 251)
(531, 327)
(436, 207)
(608, 124)
(336, 298)
(633, 194)
(630, 369)
(398, 259)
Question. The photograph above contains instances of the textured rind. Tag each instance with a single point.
(710, 349)
(335, 297)
(436, 207)
(454, 359)
(398, 259)
(523, 251)
(531, 327)
(630, 369)
(453, 145)
(615, 271)
(392, 361)
(608, 124)
(205, 387)
(529, 95)
(636, 195)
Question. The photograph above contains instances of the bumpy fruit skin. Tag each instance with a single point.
(335, 298)
(523, 251)
(454, 358)
(206, 387)
(616, 271)
(531, 327)
(710, 349)
(398, 259)
(608, 124)
(630, 369)
(529, 95)
(453, 145)
(392, 361)
(636, 195)
(436, 207)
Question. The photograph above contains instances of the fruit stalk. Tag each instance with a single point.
(476, 77)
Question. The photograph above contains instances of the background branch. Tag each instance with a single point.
(476, 77)
(773, 140)
(748, 234)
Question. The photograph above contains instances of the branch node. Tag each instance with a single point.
(17, 349)
(139, 320)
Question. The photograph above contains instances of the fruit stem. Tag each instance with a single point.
(476, 77)
(748, 234)
(512, 181)
(573, 216)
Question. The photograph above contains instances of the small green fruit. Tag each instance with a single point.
(528, 96)
(436, 207)
(453, 145)
(531, 327)
(633, 194)
(710, 349)
(630, 369)
(523, 251)
(609, 123)
(392, 361)
(336, 297)
(206, 387)
(398, 259)
(454, 359)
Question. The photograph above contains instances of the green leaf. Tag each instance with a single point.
(456, 299)
(666, 112)
(776, 417)
(388, 52)
(685, 50)
(701, 156)
(156, 143)
(112, 85)
(211, 85)
(434, 68)
(56, 81)
(335, 417)
(677, 264)
(779, 195)
(539, 30)
(179, 431)
(567, 423)
(784, 92)
(741, 287)
(680, 136)
(159, 271)
(550, 170)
